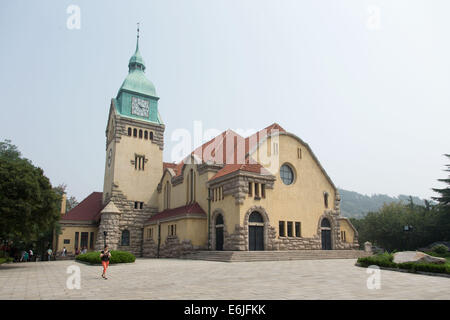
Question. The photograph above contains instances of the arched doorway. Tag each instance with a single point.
(255, 231)
(219, 232)
(325, 228)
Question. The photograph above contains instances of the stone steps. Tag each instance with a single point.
(247, 256)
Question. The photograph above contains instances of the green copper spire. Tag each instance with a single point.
(136, 87)
(136, 61)
(136, 80)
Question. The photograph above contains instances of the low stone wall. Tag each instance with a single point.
(238, 241)
(171, 248)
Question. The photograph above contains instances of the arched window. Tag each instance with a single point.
(255, 216)
(129, 131)
(167, 195)
(219, 220)
(145, 134)
(134, 132)
(151, 135)
(125, 241)
(325, 199)
(286, 174)
(325, 223)
(191, 186)
(140, 134)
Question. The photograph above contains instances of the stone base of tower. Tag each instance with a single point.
(118, 216)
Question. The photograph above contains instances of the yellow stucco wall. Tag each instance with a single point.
(136, 185)
(69, 233)
(349, 232)
(302, 200)
(192, 229)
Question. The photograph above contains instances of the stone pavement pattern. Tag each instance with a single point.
(190, 279)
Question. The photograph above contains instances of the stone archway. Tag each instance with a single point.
(264, 223)
(327, 230)
(218, 230)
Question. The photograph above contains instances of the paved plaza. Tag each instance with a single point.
(193, 279)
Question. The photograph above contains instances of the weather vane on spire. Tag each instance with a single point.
(138, 30)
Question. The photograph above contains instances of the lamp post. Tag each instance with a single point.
(407, 229)
(104, 238)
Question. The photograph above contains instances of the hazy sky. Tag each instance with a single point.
(365, 83)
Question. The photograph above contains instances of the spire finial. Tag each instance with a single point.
(137, 42)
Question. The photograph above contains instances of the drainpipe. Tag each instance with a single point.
(209, 218)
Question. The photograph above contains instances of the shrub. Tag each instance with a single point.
(386, 260)
(4, 260)
(440, 249)
(382, 260)
(116, 257)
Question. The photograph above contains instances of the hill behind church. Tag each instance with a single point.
(357, 205)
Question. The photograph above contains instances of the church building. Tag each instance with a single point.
(267, 191)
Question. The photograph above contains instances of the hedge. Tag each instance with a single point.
(116, 257)
(4, 260)
(386, 260)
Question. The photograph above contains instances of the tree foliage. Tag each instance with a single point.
(28, 203)
(385, 227)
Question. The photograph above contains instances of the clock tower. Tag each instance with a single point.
(133, 166)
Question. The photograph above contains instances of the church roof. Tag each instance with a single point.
(193, 208)
(87, 210)
(227, 144)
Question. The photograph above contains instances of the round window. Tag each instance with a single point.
(286, 174)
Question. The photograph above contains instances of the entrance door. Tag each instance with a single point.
(255, 238)
(219, 238)
(326, 239)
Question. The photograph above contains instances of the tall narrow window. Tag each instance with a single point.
(192, 186)
(84, 240)
(145, 134)
(167, 195)
(91, 242)
(275, 148)
(249, 189)
(129, 131)
(298, 232)
(125, 240)
(151, 135)
(263, 190)
(281, 229)
(77, 236)
(256, 190)
(134, 132)
(139, 162)
(289, 229)
(325, 199)
(140, 134)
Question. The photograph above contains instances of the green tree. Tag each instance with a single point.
(28, 203)
(444, 206)
(71, 201)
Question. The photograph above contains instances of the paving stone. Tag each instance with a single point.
(196, 279)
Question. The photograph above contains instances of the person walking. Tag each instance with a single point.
(64, 252)
(49, 253)
(105, 255)
(31, 255)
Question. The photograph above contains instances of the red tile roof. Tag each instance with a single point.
(170, 213)
(87, 210)
(225, 149)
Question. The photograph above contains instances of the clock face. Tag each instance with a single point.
(139, 107)
(109, 157)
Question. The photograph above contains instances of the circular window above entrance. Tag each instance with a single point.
(287, 174)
